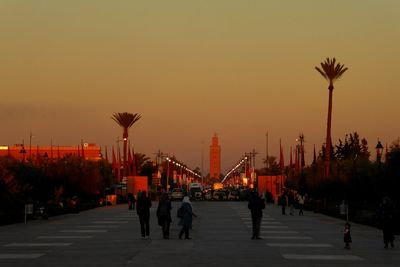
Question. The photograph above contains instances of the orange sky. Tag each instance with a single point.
(192, 68)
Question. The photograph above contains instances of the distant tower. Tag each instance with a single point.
(215, 158)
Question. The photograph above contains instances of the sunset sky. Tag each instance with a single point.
(194, 68)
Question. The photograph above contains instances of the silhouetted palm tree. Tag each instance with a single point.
(125, 120)
(331, 72)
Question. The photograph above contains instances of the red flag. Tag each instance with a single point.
(133, 162)
(129, 161)
(315, 157)
(297, 160)
(303, 163)
(51, 151)
(119, 166)
(37, 159)
(58, 152)
(281, 160)
(83, 151)
(114, 161)
(291, 163)
(79, 151)
(106, 154)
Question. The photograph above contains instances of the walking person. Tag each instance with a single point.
(143, 210)
(164, 214)
(347, 235)
(301, 200)
(256, 205)
(284, 202)
(291, 203)
(186, 217)
(387, 222)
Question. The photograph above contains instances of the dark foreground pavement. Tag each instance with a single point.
(110, 236)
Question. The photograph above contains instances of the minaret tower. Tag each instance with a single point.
(215, 158)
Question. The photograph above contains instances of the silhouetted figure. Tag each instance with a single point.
(387, 222)
(131, 201)
(347, 235)
(186, 218)
(256, 205)
(284, 202)
(143, 210)
(164, 214)
(301, 200)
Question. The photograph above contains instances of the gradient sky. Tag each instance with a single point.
(195, 68)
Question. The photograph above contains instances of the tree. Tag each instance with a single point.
(331, 72)
(125, 120)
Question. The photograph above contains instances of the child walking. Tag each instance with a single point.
(347, 235)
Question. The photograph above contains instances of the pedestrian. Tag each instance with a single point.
(387, 222)
(186, 217)
(284, 201)
(164, 214)
(347, 235)
(301, 200)
(131, 201)
(256, 205)
(143, 210)
(291, 203)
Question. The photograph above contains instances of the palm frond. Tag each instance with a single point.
(125, 119)
(331, 70)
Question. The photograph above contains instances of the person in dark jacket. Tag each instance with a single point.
(164, 214)
(284, 202)
(256, 205)
(143, 210)
(387, 222)
(187, 217)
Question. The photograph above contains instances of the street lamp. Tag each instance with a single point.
(379, 151)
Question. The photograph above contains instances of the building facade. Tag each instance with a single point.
(215, 158)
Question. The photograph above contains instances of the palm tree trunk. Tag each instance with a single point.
(328, 134)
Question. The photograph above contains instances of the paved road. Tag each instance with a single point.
(110, 236)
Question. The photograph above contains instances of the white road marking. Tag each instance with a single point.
(11, 256)
(286, 237)
(38, 244)
(274, 226)
(98, 226)
(109, 222)
(64, 237)
(304, 245)
(321, 257)
(279, 232)
(85, 231)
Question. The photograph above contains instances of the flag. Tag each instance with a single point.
(106, 155)
(51, 151)
(79, 151)
(134, 170)
(129, 170)
(83, 152)
(315, 157)
(119, 166)
(297, 160)
(37, 159)
(281, 160)
(58, 152)
(291, 163)
(303, 163)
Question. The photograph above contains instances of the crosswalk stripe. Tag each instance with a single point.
(38, 244)
(11, 256)
(287, 237)
(98, 226)
(279, 232)
(85, 231)
(64, 237)
(109, 222)
(321, 257)
(305, 245)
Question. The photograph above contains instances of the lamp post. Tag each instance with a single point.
(379, 150)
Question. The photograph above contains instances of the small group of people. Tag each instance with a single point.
(290, 198)
(164, 217)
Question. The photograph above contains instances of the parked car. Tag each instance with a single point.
(219, 195)
(177, 193)
(233, 195)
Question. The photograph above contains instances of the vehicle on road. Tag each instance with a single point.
(177, 194)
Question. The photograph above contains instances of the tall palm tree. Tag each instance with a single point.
(125, 120)
(331, 71)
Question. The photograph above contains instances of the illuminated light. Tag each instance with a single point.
(3, 147)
